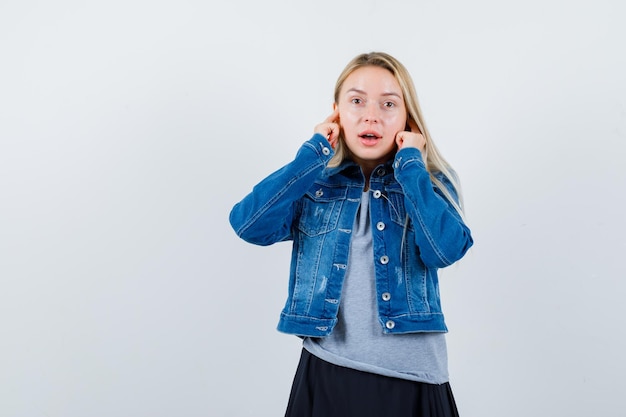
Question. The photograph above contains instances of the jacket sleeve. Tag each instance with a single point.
(265, 215)
(440, 233)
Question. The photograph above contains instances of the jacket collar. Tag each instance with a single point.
(349, 168)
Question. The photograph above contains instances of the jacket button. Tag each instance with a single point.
(325, 151)
(319, 193)
(377, 194)
(381, 172)
(390, 324)
(380, 226)
(384, 259)
(386, 296)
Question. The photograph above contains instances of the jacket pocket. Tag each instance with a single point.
(321, 207)
(397, 211)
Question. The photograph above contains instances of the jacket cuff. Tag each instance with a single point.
(320, 145)
(408, 156)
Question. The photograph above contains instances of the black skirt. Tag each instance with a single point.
(321, 389)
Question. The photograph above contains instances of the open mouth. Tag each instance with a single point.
(369, 138)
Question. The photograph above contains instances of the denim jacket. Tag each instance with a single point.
(415, 231)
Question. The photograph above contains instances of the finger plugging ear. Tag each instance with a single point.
(333, 135)
(410, 140)
(413, 125)
(332, 122)
(330, 128)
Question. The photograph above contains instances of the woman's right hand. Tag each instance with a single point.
(329, 128)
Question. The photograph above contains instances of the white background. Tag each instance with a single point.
(128, 129)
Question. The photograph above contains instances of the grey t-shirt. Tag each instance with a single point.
(358, 341)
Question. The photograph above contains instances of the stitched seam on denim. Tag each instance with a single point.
(418, 314)
(416, 160)
(311, 294)
(300, 316)
(431, 241)
(428, 235)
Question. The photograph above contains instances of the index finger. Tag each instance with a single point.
(413, 126)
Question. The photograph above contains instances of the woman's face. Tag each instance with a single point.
(371, 112)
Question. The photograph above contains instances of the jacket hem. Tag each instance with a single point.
(304, 326)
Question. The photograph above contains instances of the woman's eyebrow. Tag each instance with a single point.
(389, 93)
(356, 90)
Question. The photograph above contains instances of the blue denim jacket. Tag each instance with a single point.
(315, 207)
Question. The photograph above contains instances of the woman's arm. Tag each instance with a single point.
(440, 233)
(265, 215)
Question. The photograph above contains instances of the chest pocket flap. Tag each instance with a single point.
(321, 207)
(397, 211)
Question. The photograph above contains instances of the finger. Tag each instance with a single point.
(333, 131)
(399, 139)
(413, 125)
(333, 142)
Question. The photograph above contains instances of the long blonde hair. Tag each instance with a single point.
(435, 162)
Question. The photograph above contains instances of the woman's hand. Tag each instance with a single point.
(412, 139)
(329, 128)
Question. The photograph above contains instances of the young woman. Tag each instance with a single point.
(373, 211)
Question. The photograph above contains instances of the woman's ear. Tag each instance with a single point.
(335, 108)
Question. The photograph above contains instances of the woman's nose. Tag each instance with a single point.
(371, 114)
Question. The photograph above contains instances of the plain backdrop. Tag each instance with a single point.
(128, 129)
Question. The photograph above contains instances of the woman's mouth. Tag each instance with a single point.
(369, 138)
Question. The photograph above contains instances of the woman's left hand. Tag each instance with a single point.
(412, 139)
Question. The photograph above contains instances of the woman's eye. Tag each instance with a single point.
(356, 101)
(389, 104)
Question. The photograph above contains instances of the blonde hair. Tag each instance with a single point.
(435, 162)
